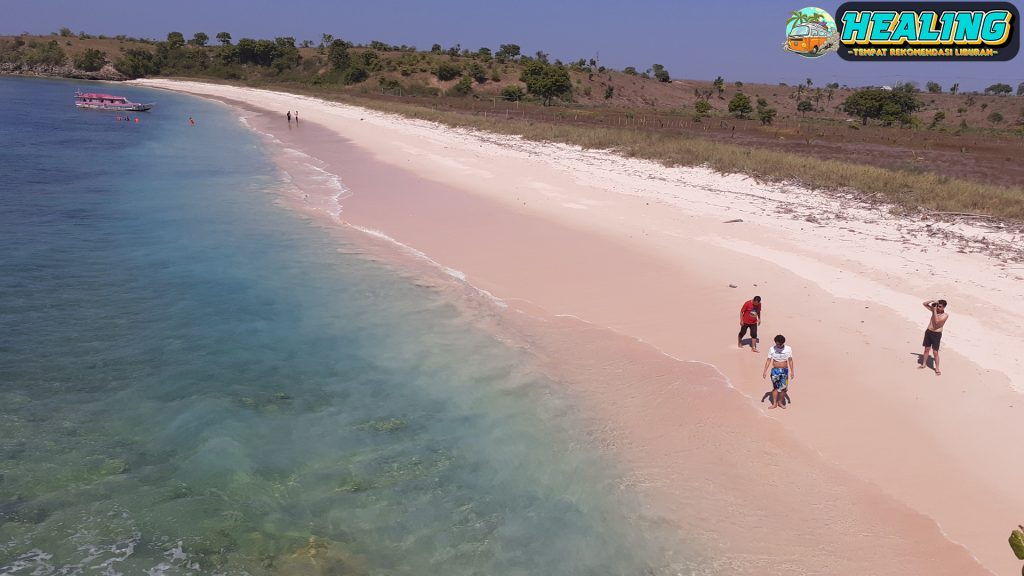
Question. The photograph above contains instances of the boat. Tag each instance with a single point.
(108, 102)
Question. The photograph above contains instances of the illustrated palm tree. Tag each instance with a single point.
(797, 18)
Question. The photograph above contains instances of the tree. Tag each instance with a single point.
(228, 55)
(355, 74)
(477, 72)
(199, 39)
(286, 55)
(507, 51)
(265, 52)
(995, 118)
(66, 32)
(804, 106)
(999, 89)
(49, 54)
(702, 107)
(629, 70)
(91, 60)
(810, 82)
(609, 92)
(766, 115)
(548, 81)
(338, 56)
(224, 38)
(740, 106)
(1020, 89)
(933, 87)
(937, 119)
(136, 63)
(719, 85)
(879, 104)
(906, 87)
(175, 40)
(954, 88)
(660, 73)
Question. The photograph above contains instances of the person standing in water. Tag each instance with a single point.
(933, 333)
(289, 115)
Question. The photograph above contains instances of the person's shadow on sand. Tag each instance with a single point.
(920, 357)
(785, 397)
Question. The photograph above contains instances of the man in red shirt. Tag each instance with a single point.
(750, 317)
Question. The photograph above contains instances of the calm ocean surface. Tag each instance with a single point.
(195, 381)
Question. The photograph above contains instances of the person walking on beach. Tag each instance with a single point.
(289, 115)
(933, 333)
(780, 360)
(296, 116)
(750, 318)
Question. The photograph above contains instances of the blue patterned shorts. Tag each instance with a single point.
(780, 378)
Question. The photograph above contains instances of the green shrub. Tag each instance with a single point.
(447, 71)
(136, 63)
(477, 72)
(464, 87)
(740, 106)
(47, 54)
(91, 60)
(513, 93)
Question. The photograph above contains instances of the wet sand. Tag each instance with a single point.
(618, 273)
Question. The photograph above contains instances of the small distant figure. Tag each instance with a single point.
(289, 115)
(296, 116)
(191, 122)
(750, 318)
(136, 119)
(780, 360)
(933, 333)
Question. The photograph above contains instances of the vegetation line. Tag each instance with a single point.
(907, 192)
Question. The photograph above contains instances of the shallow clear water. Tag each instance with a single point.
(194, 381)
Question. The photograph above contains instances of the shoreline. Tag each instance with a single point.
(650, 283)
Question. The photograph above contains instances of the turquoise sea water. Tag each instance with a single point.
(195, 381)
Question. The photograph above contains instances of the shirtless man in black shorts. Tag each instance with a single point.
(933, 334)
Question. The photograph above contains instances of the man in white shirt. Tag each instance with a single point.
(780, 360)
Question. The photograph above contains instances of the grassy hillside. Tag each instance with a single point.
(956, 153)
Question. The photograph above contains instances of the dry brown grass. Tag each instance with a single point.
(908, 190)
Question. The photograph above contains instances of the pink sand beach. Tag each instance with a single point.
(625, 279)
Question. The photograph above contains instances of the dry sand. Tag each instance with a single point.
(626, 279)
